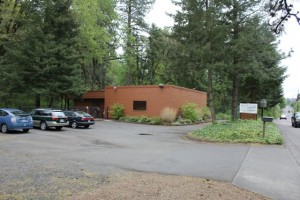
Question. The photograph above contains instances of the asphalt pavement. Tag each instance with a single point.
(272, 170)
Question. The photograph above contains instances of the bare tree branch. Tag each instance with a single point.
(280, 12)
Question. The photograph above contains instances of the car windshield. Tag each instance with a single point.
(297, 114)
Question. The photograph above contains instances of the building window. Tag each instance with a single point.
(139, 105)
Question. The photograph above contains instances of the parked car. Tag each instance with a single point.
(14, 119)
(295, 119)
(79, 118)
(282, 117)
(45, 118)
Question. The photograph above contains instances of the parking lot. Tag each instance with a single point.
(40, 162)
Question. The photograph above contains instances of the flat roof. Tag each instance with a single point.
(155, 86)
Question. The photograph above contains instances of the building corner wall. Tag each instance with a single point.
(157, 98)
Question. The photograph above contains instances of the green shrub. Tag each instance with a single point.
(190, 111)
(131, 119)
(273, 112)
(156, 121)
(117, 111)
(205, 113)
(144, 120)
(168, 115)
(141, 119)
(223, 116)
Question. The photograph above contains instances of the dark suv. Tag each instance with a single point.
(296, 119)
(45, 118)
(79, 118)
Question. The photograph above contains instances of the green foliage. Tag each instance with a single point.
(296, 106)
(223, 116)
(273, 112)
(142, 119)
(117, 111)
(156, 121)
(44, 62)
(205, 113)
(168, 114)
(241, 131)
(190, 111)
(134, 28)
(116, 74)
(97, 39)
(283, 103)
(130, 118)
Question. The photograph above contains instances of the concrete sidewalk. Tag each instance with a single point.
(271, 171)
(274, 170)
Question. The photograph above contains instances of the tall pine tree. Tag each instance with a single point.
(133, 14)
(45, 62)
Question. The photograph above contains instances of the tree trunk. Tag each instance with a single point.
(211, 96)
(50, 102)
(101, 76)
(95, 62)
(235, 76)
(234, 103)
(129, 44)
(210, 78)
(62, 99)
(37, 100)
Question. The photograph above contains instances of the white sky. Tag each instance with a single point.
(289, 40)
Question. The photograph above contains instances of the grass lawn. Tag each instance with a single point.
(241, 131)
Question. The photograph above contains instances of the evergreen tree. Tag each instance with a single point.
(264, 67)
(201, 33)
(45, 62)
(133, 13)
(238, 15)
(156, 63)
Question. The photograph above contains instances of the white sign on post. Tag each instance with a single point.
(250, 108)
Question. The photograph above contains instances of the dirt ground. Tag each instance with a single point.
(149, 186)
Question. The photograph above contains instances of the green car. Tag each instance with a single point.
(46, 118)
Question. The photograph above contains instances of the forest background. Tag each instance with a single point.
(52, 51)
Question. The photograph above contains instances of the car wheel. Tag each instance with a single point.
(25, 130)
(58, 127)
(74, 125)
(86, 126)
(4, 128)
(43, 126)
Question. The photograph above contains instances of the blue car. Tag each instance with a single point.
(14, 119)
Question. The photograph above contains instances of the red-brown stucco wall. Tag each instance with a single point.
(157, 98)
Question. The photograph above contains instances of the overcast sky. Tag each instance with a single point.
(289, 40)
